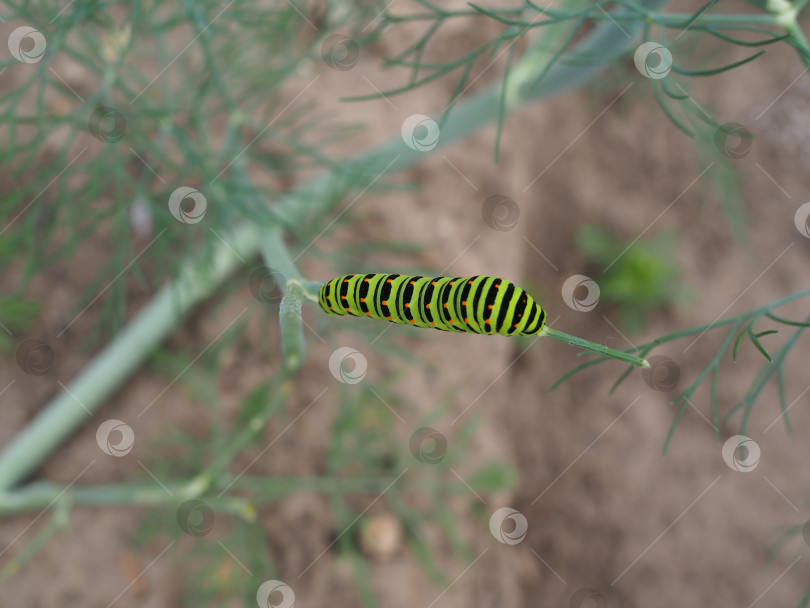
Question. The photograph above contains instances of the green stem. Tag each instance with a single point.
(40, 496)
(593, 347)
(714, 365)
(679, 20)
(58, 522)
(276, 256)
(293, 344)
(85, 395)
(59, 418)
(703, 328)
(254, 425)
(800, 41)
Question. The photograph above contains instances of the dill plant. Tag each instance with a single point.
(187, 96)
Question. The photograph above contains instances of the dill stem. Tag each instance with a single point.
(593, 347)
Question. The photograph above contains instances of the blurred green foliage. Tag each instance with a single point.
(370, 467)
(16, 316)
(641, 276)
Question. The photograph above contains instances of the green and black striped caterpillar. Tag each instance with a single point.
(479, 304)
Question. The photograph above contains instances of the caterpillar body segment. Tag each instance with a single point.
(479, 304)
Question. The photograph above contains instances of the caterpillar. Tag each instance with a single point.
(479, 304)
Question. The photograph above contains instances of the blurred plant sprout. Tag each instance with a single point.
(638, 277)
(180, 103)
